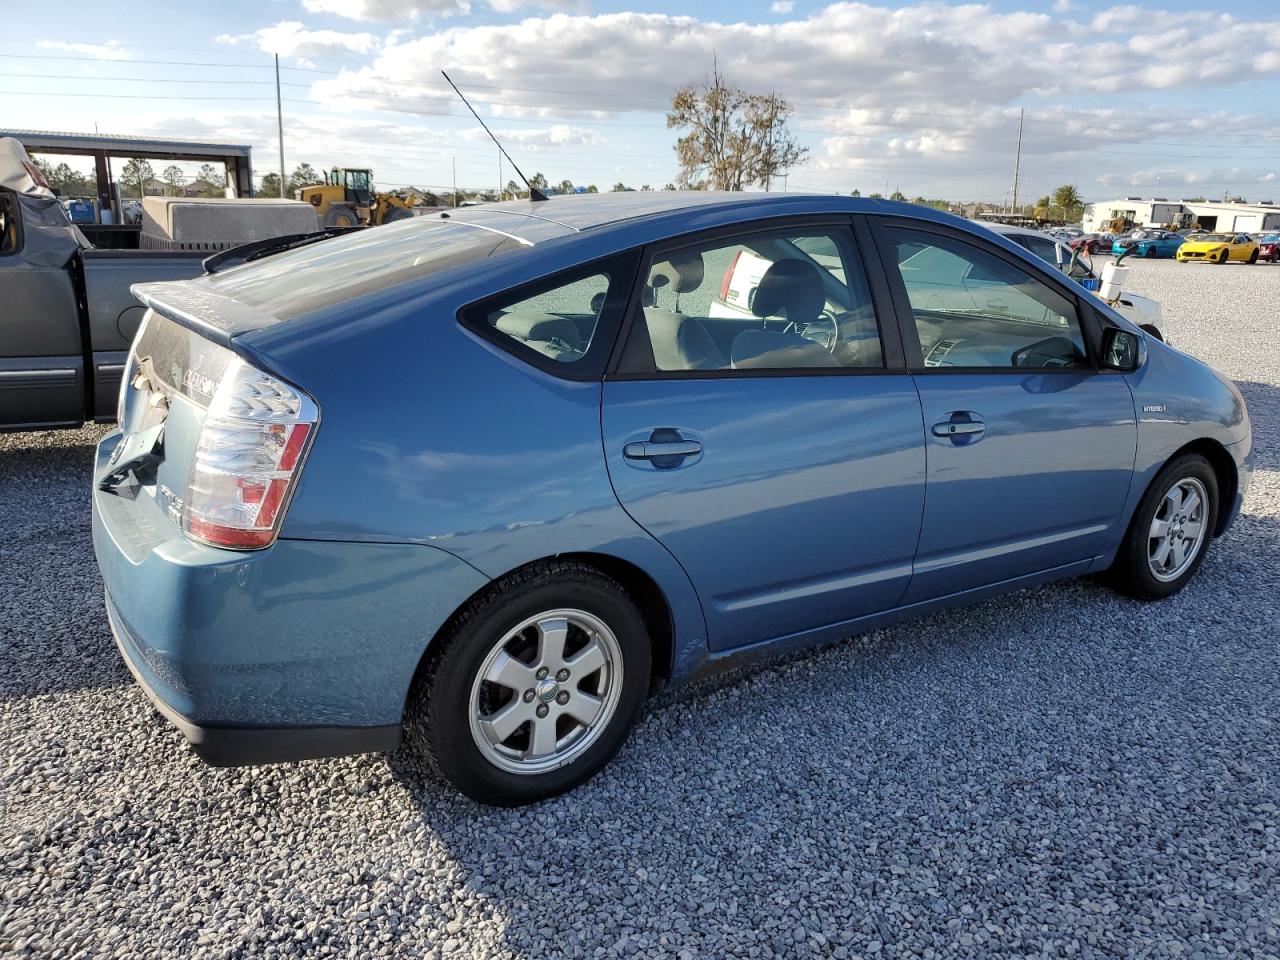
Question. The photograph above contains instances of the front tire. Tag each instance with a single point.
(1253, 257)
(1223, 257)
(1170, 532)
(533, 687)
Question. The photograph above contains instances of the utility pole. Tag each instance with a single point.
(1017, 163)
(280, 125)
(500, 196)
(455, 180)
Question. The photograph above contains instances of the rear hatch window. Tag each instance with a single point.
(310, 278)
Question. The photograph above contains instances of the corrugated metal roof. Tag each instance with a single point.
(52, 139)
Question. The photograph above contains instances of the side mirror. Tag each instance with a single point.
(1121, 349)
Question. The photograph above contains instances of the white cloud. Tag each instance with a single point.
(387, 9)
(849, 54)
(541, 138)
(111, 50)
(782, 6)
(1062, 6)
(289, 38)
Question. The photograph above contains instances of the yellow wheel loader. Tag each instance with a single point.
(347, 199)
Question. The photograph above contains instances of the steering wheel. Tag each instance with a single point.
(1049, 352)
(829, 341)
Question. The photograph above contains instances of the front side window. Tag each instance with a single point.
(786, 300)
(974, 309)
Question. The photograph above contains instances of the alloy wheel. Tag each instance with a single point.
(1177, 530)
(546, 691)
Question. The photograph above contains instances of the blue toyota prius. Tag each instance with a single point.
(480, 480)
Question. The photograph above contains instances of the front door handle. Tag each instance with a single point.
(651, 449)
(961, 427)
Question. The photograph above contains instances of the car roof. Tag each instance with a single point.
(579, 213)
(1008, 230)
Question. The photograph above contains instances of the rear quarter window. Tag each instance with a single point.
(565, 323)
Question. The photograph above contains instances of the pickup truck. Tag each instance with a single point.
(66, 314)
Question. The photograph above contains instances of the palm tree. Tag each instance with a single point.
(1067, 199)
(1042, 211)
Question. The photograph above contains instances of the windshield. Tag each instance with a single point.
(1214, 238)
(358, 179)
(299, 281)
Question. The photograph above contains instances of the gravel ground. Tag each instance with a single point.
(1056, 773)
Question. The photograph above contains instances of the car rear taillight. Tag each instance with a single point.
(248, 459)
(727, 283)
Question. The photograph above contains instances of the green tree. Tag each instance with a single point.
(1042, 209)
(135, 176)
(304, 175)
(620, 187)
(856, 193)
(897, 195)
(875, 196)
(670, 186)
(173, 180)
(270, 185)
(540, 182)
(592, 188)
(1066, 199)
(216, 178)
(564, 186)
(731, 139)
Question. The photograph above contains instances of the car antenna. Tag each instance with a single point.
(534, 193)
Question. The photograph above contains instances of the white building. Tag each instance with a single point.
(1226, 216)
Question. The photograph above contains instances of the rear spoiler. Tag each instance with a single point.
(194, 305)
(257, 249)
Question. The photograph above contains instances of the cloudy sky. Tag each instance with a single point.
(1176, 98)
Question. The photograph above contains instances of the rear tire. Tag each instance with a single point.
(399, 213)
(341, 215)
(1170, 532)
(543, 627)
(1253, 257)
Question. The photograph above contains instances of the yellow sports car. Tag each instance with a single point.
(1219, 248)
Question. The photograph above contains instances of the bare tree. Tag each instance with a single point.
(733, 139)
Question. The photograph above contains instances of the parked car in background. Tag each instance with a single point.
(610, 483)
(1219, 248)
(1141, 310)
(1091, 243)
(1269, 247)
(67, 316)
(1150, 244)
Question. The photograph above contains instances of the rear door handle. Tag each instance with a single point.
(649, 449)
(950, 429)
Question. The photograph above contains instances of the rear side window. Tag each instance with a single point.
(564, 323)
(785, 300)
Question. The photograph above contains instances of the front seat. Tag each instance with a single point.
(679, 342)
(791, 289)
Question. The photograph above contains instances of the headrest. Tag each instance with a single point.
(681, 272)
(792, 288)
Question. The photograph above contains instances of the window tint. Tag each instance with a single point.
(974, 309)
(1043, 248)
(558, 323)
(8, 224)
(770, 301)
